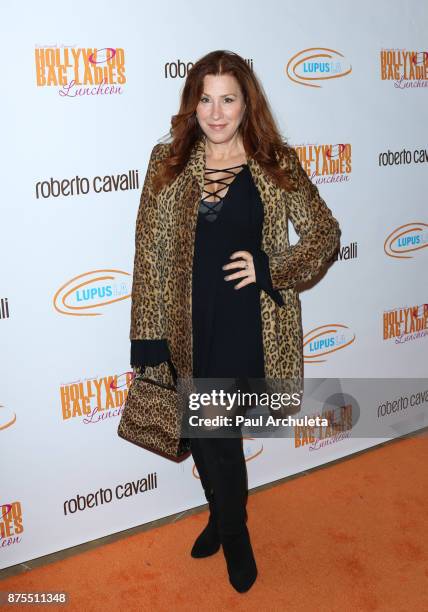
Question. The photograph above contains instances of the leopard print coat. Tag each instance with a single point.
(164, 243)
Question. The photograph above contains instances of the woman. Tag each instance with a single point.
(214, 274)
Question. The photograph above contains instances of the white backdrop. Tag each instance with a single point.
(66, 258)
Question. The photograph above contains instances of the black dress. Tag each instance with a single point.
(227, 328)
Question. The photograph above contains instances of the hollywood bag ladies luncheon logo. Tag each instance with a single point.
(312, 66)
(78, 72)
(406, 323)
(405, 68)
(95, 399)
(326, 163)
(11, 524)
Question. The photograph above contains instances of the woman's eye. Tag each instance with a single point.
(226, 99)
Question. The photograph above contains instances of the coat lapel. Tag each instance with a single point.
(195, 167)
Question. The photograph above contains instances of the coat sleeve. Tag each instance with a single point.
(318, 231)
(149, 352)
(146, 297)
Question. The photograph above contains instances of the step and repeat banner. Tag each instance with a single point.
(88, 90)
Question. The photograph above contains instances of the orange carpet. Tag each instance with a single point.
(351, 536)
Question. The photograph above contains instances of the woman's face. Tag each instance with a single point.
(221, 107)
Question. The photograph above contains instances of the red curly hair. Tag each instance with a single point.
(260, 135)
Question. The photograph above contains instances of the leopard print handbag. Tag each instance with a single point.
(152, 415)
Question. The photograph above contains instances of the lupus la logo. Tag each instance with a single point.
(10, 524)
(7, 417)
(405, 239)
(79, 71)
(326, 163)
(95, 399)
(407, 323)
(405, 68)
(310, 66)
(253, 447)
(324, 340)
(87, 293)
(339, 426)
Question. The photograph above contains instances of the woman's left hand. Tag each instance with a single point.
(246, 267)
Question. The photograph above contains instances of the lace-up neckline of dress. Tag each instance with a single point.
(210, 209)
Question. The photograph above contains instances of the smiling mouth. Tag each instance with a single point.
(217, 127)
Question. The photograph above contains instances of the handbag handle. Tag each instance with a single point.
(154, 382)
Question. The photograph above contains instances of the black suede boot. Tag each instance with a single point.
(208, 541)
(241, 565)
(231, 493)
